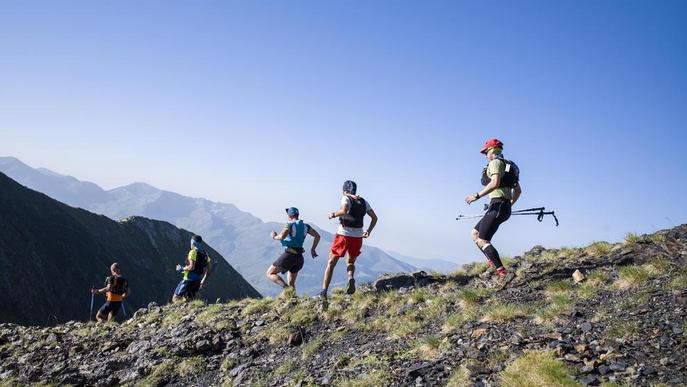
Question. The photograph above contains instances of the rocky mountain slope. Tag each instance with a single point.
(51, 254)
(621, 323)
(239, 236)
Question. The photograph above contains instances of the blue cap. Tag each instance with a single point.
(292, 211)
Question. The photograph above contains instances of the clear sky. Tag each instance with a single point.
(267, 104)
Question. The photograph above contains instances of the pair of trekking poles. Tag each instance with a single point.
(90, 315)
(540, 212)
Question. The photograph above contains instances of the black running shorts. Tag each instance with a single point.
(498, 212)
(110, 306)
(289, 262)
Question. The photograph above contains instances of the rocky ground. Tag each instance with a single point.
(622, 324)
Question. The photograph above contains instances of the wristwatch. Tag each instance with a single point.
(477, 195)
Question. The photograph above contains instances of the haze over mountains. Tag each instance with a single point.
(240, 237)
(51, 254)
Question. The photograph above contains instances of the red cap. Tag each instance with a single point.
(491, 143)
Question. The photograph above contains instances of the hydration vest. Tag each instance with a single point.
(510, 178)
(118, 285)
(296, 236)
(201, 262)
(356, 213)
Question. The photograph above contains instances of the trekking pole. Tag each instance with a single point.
(90, 315)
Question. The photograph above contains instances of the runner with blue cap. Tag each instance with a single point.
(292, 237)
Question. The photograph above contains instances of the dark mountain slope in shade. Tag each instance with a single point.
(52, 253)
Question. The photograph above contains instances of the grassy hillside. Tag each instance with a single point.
(52, 253)
(623, 324)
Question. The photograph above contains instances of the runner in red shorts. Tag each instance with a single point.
(349, 237)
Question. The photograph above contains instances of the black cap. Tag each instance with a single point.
(197, 238)
(350, 187)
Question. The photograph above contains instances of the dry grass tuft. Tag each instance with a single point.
(537, 369)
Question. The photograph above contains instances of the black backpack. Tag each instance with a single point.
(118, 285)
(509, 180)
(357, 211)
(201, 262)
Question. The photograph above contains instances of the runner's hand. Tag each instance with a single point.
(366, 234)
(273, 234)
(313, 253)
(331, 215)
(470, 198)
(180, 268)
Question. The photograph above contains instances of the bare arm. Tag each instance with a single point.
(208, 271)
(281, 235)
(493, 184)
(190, 265)
(516, 194)
(345, 207)
(315, 235)
(373, 223)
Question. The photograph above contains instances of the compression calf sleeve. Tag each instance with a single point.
(492, 255)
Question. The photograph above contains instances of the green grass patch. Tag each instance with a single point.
(456, 320)
(161, 374)
(620, 329)
(427, 347)
(679, 282)
(460, 377)
(191, 366)
(657, 238)
(634, 238)
(537, 369)
(418, 296)
(631, 276)
(558, 286)
(372, 378)
(257, 306)
(311, 347)
(209, 313)
(598, 248)
(657, 266)
(469, 297)
(556, 306)
(286, 366)
(504, 312)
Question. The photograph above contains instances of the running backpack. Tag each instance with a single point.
(118, 285)
(510, 179)
(201, 262)
(357, 213)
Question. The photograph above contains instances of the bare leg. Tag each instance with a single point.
(272, 274)
(99, 317)
(291, 277)
(328, 272)
(350, 269)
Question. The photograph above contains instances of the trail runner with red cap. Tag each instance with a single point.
(500, 179)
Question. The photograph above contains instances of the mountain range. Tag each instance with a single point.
(51, 254)
(239, 236)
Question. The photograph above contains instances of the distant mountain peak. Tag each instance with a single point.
(140, 187)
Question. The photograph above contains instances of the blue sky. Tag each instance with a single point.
(267, 104)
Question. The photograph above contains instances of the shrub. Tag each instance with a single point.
(311, 347)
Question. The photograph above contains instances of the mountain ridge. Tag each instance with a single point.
(239, 236)
(619, 321)
(54, 253)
